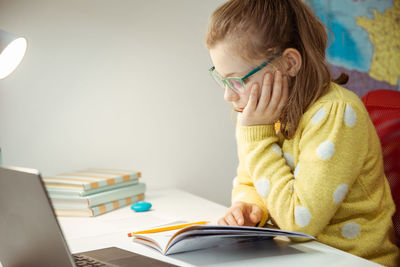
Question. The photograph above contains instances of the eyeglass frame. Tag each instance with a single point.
(255, 70)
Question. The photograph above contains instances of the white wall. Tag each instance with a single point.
(118, 84)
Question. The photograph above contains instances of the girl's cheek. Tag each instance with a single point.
(248, 89)
(245, 98)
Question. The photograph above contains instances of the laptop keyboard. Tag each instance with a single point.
(83, 261)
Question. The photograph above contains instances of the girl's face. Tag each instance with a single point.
(228, 63)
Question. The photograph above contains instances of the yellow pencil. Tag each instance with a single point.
(166, 228)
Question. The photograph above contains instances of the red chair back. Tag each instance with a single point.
(384, 109)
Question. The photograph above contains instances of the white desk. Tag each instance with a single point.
(111, 230)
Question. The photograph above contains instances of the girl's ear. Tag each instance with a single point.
(292, 61)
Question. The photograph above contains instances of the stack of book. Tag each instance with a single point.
(94, 191)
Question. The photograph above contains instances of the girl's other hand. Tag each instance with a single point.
(267, 109)
(242, 214)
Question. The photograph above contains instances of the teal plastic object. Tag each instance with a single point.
(141, 206)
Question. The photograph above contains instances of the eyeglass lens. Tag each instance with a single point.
(234, 84)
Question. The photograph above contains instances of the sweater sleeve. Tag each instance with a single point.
(243, 187)
(303, 192)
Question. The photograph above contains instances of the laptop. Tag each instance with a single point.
(31, 236)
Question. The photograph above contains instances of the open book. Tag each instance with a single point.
(206, 236)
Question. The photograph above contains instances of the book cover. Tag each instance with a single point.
(90, 179)
(62, 201)
(100, 209)
(206, 236)
(77, 192)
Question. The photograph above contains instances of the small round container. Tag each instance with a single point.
(141, 206)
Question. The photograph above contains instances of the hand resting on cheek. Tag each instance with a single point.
(267, 109)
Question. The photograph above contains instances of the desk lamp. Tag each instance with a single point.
(12, 50)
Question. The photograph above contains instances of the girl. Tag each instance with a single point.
(309, 157)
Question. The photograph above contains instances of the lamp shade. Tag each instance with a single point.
(12, 50)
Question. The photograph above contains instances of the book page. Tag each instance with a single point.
(161, 239)
(222, 230)
(230, 233)
(196, 242)
(206, 236)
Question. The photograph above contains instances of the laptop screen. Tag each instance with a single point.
(29, 231)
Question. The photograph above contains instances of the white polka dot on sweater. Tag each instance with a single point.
(340, 193)
(238, 197)
(302, 216)
(275, 147)
(235, 182)
(350, 230)
(296, 171)
(325, 150)
(262, 187)
(350, 117)
(289, 160)
(318, 116)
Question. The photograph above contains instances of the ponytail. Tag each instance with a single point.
(342, 79)
(312, 80)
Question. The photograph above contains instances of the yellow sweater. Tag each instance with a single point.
(327, 181)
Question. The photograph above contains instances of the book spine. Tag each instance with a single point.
(91, 179)
(113, 176)
(104, 208)
(52, 190)
(115, 194)
(71, 201)
(111, 187)
(100, 209)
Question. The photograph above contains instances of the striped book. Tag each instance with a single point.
(100, 209)
(60, 201)
(76, 192)
(90, 179)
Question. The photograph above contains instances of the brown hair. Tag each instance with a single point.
(262, 28)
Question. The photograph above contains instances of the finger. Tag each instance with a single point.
(230, 219)
(252, 104)
(222, 221)
(265, 91)
(285, 93)
(256, 214)
(247, 214)
(238, 215)
(276, 92)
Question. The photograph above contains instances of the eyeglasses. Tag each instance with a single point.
(236, 84)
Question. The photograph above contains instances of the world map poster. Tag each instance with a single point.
(364, 41)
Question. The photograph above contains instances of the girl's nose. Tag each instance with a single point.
(230, 95)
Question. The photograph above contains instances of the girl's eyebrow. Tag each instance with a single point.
(233, 74)
(229, 74)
